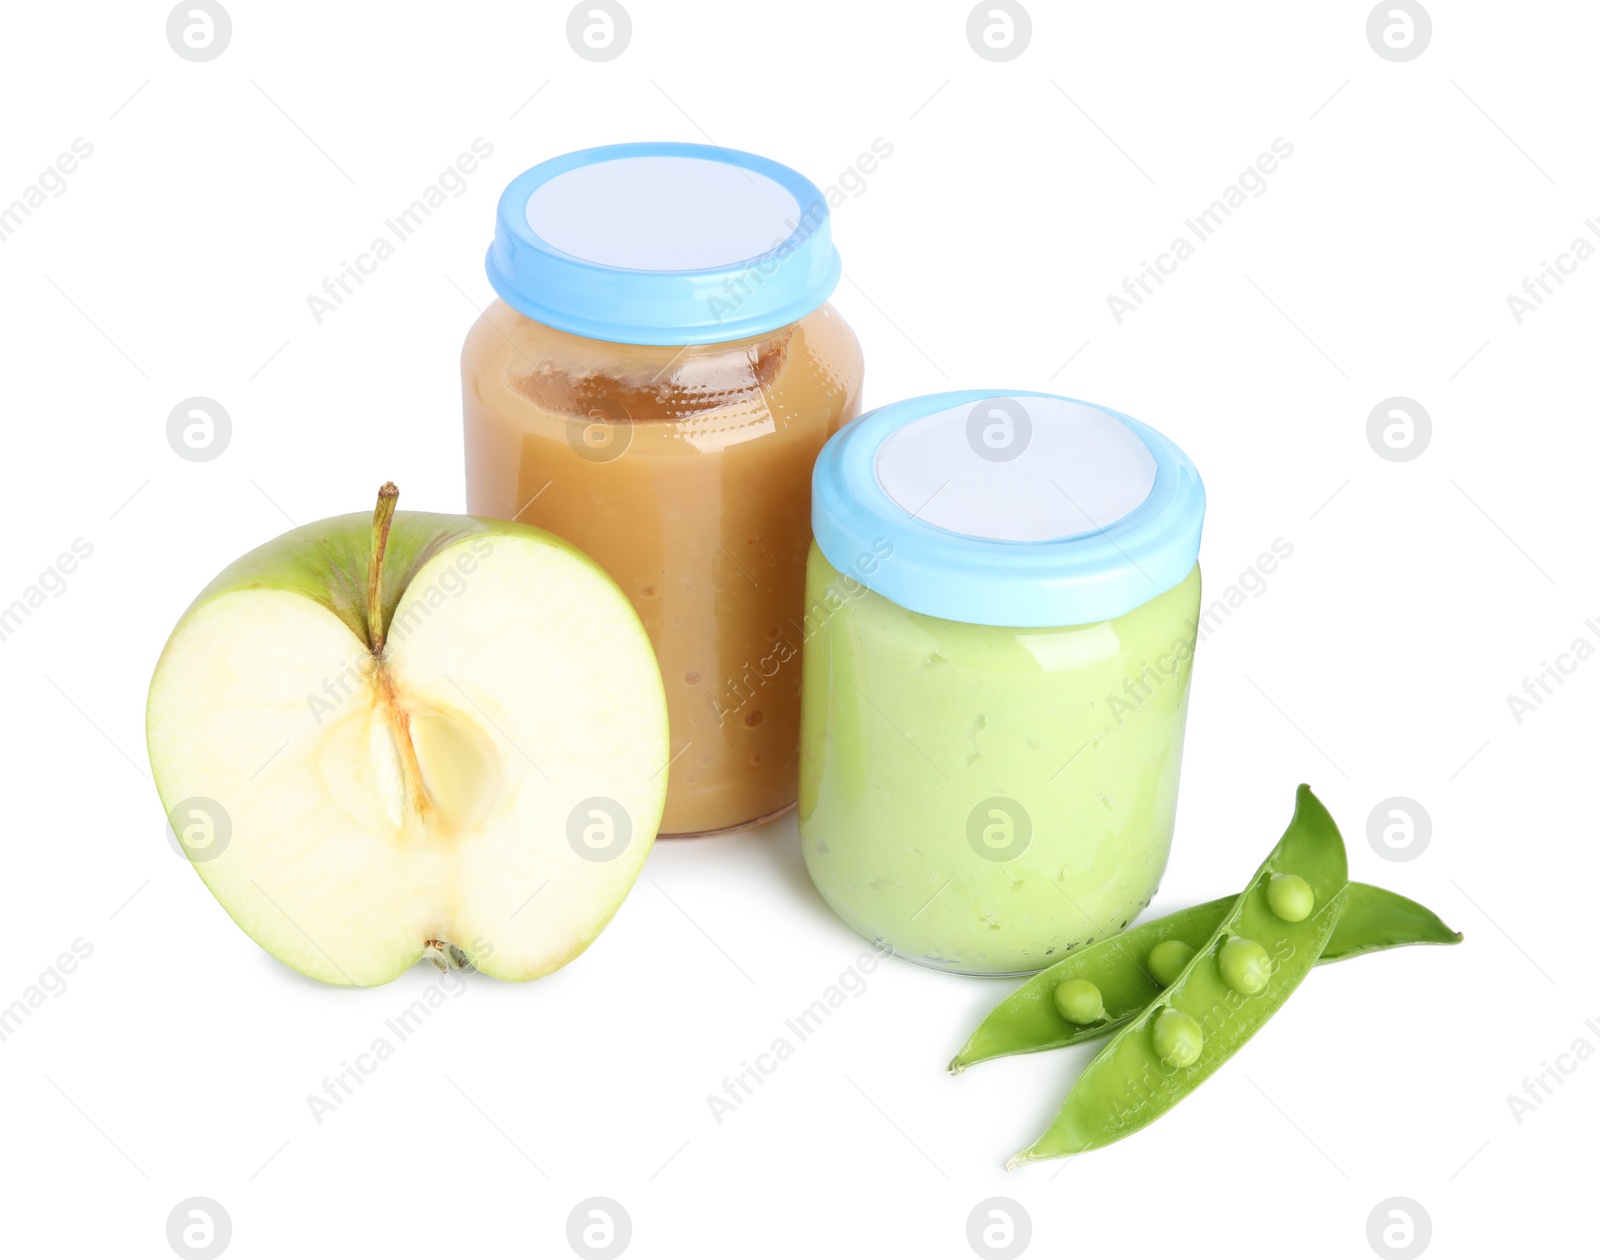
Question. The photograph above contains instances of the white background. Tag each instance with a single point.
(1018, 195)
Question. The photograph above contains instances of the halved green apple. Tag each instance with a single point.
(405, 735)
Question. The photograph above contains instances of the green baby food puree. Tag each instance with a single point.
(984, 798)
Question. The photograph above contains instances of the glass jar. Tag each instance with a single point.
(1002, 605)
(654, 385)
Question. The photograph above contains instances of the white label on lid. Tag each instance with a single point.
(663, 213)
(1017, 469)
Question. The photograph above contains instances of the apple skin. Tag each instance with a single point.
(327, 563)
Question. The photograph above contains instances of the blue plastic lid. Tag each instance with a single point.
(1018, 509)
(663, 244)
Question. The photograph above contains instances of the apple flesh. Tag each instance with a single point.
(403, 735)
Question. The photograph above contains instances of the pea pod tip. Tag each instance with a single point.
(1032, 1155)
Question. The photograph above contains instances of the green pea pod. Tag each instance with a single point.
(1027, 1020)
(1375, 919)
(1196, 1024)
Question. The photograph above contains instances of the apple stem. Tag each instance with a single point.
(382, 518)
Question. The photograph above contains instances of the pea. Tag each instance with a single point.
(1290, 898)
(1177, 1038)
(1245, 965)
(1168, 959)
(1080, 1002)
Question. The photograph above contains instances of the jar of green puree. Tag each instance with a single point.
(1001, 609)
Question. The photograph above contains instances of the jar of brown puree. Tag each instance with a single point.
(654, 385)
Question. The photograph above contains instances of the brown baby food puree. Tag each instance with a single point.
(686, 473)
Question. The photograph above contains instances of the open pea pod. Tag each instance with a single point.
(1266, 944)
(1027, 1020)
